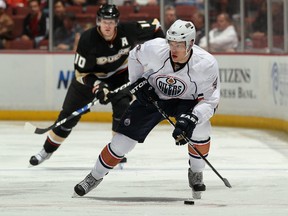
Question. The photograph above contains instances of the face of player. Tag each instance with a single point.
(107, 28)
(178, 51)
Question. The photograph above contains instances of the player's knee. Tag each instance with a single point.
(55, 137)
(62, 131)
(203, 146)
(202, 131)
(122, 144)
(65, 129)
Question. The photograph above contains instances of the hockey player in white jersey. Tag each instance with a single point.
(184, 81)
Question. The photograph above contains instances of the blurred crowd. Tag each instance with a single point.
(24, 24)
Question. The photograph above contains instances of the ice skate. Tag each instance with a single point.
(86, 185)
(122, 163)
(196, 183)
(40, 157)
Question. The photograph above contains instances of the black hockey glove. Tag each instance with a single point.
(101, 90)
(185, 125)
(144, 92)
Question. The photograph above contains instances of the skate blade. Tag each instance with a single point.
(75, 195)
(28, 127)
(30, 165)
(196, 194)
(121, 166)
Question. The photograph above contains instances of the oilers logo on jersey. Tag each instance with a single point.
(170, 86)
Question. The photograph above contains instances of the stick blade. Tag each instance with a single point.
(226, 182)
(29, 127)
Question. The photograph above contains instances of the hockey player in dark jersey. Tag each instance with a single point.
(101, 65)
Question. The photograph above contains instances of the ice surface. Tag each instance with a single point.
(153, 182)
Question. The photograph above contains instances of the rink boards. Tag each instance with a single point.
(254, 89)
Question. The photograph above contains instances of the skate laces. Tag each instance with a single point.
(88, 182)
(43, 155)
(197, 178)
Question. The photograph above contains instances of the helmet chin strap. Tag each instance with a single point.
(189, 48)
(188, 52)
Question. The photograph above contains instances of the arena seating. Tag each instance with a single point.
(20, 44)
(18, 25)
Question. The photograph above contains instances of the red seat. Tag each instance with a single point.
(137, 16)
(18, 25)
(20, 44)
(10, 11)
(21, 10)
(152, 10)
(43, 45)
(91, 9)
(259, 41)
(185, 12)
(124, 12)
(278, 41)
(74, 9)
(83, 19)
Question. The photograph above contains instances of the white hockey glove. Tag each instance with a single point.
(101, 90)
(185, 125)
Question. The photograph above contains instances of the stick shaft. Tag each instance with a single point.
(77, 112)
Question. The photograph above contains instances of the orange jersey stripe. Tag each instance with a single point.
(109, 159)
(202, 148)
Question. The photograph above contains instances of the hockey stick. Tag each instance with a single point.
(188, 140)
(31, 128)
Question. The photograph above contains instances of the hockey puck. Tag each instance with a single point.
(189, 202)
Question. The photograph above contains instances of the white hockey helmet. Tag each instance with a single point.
(182, 31)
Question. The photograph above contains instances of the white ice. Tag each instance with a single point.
(153, 182)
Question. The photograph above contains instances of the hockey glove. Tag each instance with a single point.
(185, 125)
(144, 92)
(101, 90)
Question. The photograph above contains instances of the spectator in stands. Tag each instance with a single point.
(223, 37)
(145, 2)
(258, 29)
(226, 6)
(64, 36)
(197, 3)
(128, 2)
(6, 25)
(34, 25)
(77, 36)
(199, 21)
(77, 2)
(98, 2)
(152, 2)
(278, 18)
(259, 25)
(59, 13)
(169, 16)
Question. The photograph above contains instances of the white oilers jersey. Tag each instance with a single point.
(197, 80)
